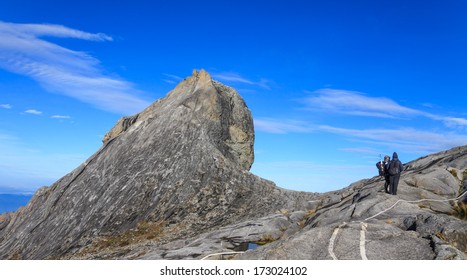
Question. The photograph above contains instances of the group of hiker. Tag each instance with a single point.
(391, 171)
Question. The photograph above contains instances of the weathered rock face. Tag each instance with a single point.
(182, 162)
(210, 106)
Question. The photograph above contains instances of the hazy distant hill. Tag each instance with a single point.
(11, 202)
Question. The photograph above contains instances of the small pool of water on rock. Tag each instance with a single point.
(246, 246)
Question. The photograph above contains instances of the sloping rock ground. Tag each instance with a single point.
(424, 229)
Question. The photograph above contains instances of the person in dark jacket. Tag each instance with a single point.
(395, 168)
(383, 171)
(387, 160)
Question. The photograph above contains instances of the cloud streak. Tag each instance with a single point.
(236, 78)
(406, 139)
(64, 71)
(172, 79)
(33, 112)
(282, 127)
(38, 30)
(356, 103)
(6, 106)
(331, 101)
(60, 117)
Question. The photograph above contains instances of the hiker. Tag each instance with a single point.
(387, 159)
(383, 171)
(394, 169)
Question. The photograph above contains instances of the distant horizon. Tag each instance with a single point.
(8, 190)
(11, 202)
(331, 85)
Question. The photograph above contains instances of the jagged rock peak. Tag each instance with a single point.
(229, 119)
(202, 74)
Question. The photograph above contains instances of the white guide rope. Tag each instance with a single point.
(364, 225)
(363, 230)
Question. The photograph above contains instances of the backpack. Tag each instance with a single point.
(394, 167)
(380, 168)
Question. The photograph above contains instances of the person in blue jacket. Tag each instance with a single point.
(395, 168)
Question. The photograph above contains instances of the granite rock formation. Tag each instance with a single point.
(173, 182)
(183, 162)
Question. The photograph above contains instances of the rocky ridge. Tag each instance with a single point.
(172, 182)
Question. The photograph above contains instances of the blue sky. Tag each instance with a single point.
(331, 84)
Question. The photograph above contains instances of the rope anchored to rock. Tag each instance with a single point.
(364, 225)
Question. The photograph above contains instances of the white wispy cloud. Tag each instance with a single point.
(65, 71)
(359, 104)
(33, 112)
(37, 30)
(281, 126)
(408, 139)
(172, 79)
(405, 138)
(6, 106)
(60, 117)
(356, 103)
(454, 122)
(236, 78)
